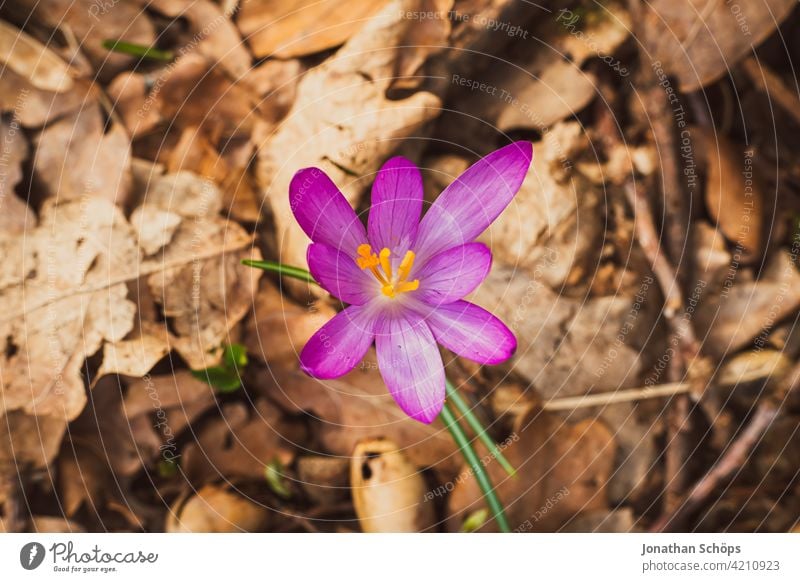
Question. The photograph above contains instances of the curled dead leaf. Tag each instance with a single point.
(214, 509)
(302, 27)
(700, 41)
(388, 490)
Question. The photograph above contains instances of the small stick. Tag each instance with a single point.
(606, 398)
(767, 81)
(729, 463)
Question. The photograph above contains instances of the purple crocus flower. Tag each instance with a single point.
(404, 278)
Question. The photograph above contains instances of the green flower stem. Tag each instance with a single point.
(476, 466)
(137, 50)
(447, 416)
(472, 420)
(281, 269)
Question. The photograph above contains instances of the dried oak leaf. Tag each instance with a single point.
(562, 470)
(533, 89)
(242, 443)
(279, 327)
(295, 28)
(215, 36)
(570, 346)
(342, 121)
(92, 23)
(28, 442)
(699, 41)
(36, 84)
(63, 288)
(75, 157)
(27, 57)
(195, 282)
(735, 193)
(214, 509)
(16, 217)
(742, 308)
(159, 408)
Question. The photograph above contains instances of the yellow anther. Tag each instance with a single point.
(386, 264)
(391, 285)
(366, 259)
(405, 265)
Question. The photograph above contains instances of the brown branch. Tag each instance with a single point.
(728, 465)
(767, 81)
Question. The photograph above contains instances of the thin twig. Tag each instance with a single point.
(770, 83)
(606, 398)
(728, 464)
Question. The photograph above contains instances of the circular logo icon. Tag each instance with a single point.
(31, 555)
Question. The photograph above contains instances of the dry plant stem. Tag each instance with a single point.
(660, 112)
(768, 82)
(731, 461)
(607, 398)
(681, 333)
(734, 458)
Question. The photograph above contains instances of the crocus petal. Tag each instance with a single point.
(324, 213)
(339, 345)
(471, 332)
(474, 200)
(396, 205)
(453, 273)
(340, 276)
(410, 364)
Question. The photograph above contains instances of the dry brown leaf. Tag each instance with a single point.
(76, 158)
(737, 202)
(92, 23)
(280, 328)
(65, 291)
(215, 36)
(195, 93)
(27, 57)
(567, 347)
(216, 510)
(294, 28)
(430, 35)
(62, 302)
(15, 215)
(563, 470)
(242, 443)
(700, 41)
(160, 407)
(388, 491)
(129, 94)
(533, 89)
(364, 131)
(326, 480)
(28, 442)
(744, 309)
(276, 83)
(36, 84)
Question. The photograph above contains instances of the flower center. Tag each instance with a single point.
(391, 283)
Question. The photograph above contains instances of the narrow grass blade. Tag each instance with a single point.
(477, 468)
(137, 50)
(281, 269)
(472, 420)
